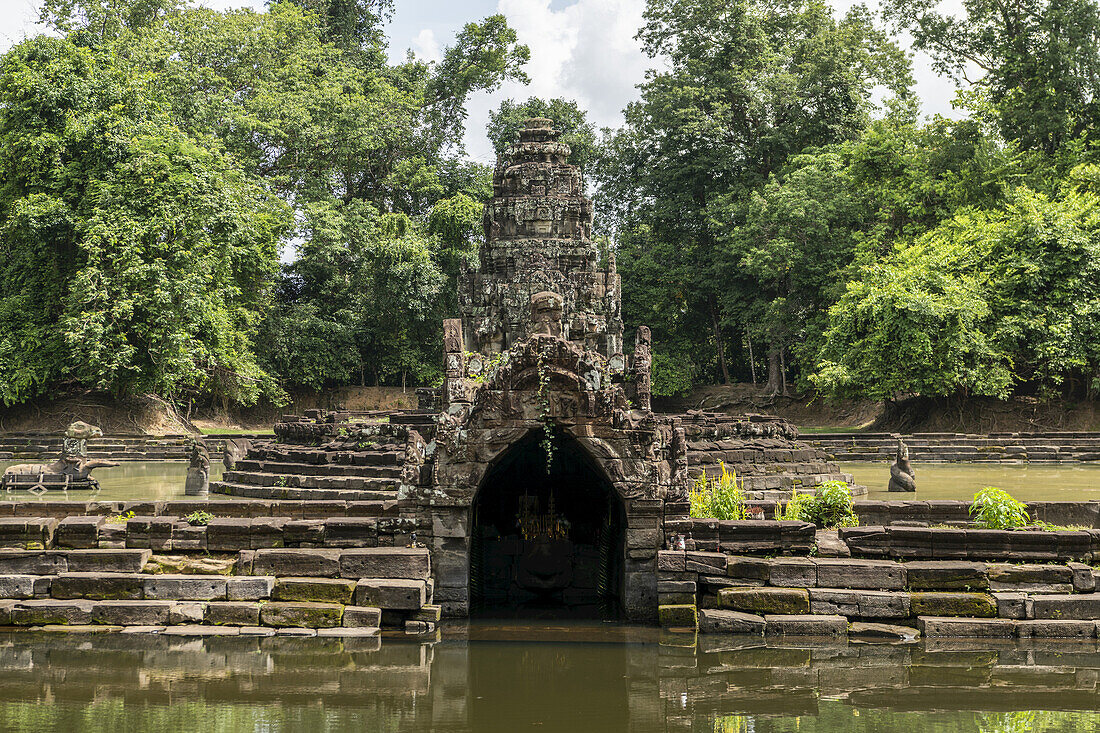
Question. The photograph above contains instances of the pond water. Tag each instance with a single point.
(1030, 482)
(564, 678)
(153, 480)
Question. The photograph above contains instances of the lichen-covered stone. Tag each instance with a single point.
(318, 590)
(763, 601)
(717, 621)
(308, 615)
(677, 616)
(974, 605)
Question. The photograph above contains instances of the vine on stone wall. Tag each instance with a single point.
(547, 421)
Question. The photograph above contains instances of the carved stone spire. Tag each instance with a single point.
(538, 229)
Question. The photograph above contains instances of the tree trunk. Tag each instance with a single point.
(774, 372)
(783, 369)
(752, 359)
(721, 347)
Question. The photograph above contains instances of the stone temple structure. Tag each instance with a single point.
(538, 475)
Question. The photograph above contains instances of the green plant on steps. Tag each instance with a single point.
(830, 506)
(199, 518)
(717, 498)
(120, 518)
(994, 508)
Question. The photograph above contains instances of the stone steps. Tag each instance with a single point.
(251, 491)
(343, 483)
(318, 469)
(281, 588)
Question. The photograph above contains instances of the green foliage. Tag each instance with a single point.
(830, 506)
(995, 509)
(744, 87)
(120, 518)
(198, 518)
(137, 260)
(569, 120)
(717, 498)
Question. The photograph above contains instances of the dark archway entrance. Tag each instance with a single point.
(547, 541)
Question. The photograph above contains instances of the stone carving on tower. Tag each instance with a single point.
(538, 229)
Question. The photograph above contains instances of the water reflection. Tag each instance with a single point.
(568, 678)
(1027, 481)
(152, 480)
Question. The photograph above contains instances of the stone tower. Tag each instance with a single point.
(539, 268)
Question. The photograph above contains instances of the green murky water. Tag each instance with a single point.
(153, 480)
(1064, 482)
(569, 679)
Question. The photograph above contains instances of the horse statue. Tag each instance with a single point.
(902, 475)
(198, 473)
(71, 471)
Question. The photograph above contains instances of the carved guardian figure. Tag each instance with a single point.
(902, 475)
(71, 471)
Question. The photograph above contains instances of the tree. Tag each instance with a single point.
(569, 120)
(137, 259)
(1038, 61)
(746, 86)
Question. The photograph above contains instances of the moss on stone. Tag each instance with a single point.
(765, 601)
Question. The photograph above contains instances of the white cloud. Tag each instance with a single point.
(426, 46)
(583, 51)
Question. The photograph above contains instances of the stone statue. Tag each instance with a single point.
(546, 313)
(233, 450)
(71, 471)
(198, 473)
(902, 475)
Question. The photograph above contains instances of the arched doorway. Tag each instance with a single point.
(547, 534)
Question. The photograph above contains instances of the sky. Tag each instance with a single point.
(580, 49)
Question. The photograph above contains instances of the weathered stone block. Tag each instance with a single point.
(1040, 578)
(99, 586)
(1083, 580)
(749, 568)
(351, 532)
(1051, 629)
(671, 561)
(716, 621)
(107, 561)
(677, 616)
(78, 531)
(21, 586)
(946, 575)
(237, 613)
(806, 625)
(362, 617)
(385, 562)
(22, 562)
(1012, 604)
(391, 593)
(976, 605)
(186, 587)
(249, 587)
(317, 590)
(763, 601)
(966, 628)
(229, 534)
(708, 563)
(794, 572)
(131, 613)
(297, 563)
(868, 574)
(1077, 606)
(51, 611)
(186, 613)
(881, 632)
(308, 615)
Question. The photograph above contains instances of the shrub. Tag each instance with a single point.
(717, 498)
(994, 508)
(830, 506)
(199, 518)
(120, 518)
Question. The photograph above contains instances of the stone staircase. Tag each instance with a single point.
(283, 591)
(348, 467)
(1053, 447)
